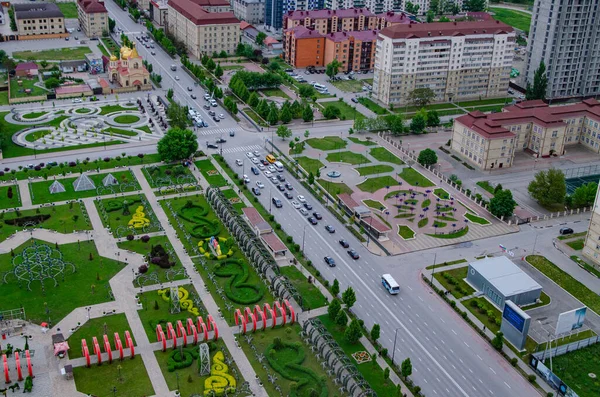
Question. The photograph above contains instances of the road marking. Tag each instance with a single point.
(417, 314)
(434, 391)
(479, 357)
(421, 299)
(491, 392)
(430, 308)
(409, 306)
(466, 343)
(461, 361)
(436, 348)
(420, 359)
(480, 381)
(402, 339)
(454, 332)
(425, 324)
(470, 370)
(491, 369)
(451, 351)
(463, 377)
(428, 369)
(438, 379)
(425, 380)
(473, 387)
(441, 319)
(410, 320)
(453, 366)
(409, 287)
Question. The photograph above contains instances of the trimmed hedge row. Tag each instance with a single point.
(176, 361)
(238, 273)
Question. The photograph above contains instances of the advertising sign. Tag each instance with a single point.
(571, 320)
(513, 318)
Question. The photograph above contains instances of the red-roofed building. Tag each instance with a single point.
(26, 69)
(93, 17)
(355, 50)
(205, 26)
(331, 21)
(264, 230)
(489, 141)
(391, 18)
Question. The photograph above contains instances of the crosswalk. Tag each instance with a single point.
(214, 131)
(249, 148)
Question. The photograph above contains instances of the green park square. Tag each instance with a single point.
(210, 173)
(5, 201)
(165, 175)
(122, 210)
(98, 327)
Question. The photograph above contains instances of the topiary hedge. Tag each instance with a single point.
(236, 288)
(20, 221)
(183, 359)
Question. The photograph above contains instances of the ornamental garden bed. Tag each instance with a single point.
(133, 213)
(210, 173)
(106, 325)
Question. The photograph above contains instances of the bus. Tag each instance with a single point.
(271, 159)
(278, 165)
(390, 284)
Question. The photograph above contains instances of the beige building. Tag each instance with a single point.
(204, 31)
(128, 71)
(458, 61)
(39, 19)
(93, 17)
(251, 11)
(490, 141)
(591, 249)
(331, 21)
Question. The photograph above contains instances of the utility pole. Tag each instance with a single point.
(433, 271)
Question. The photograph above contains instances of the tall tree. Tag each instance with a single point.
(498, 341)
(260, 38)
(427, 157)
(540, 84)
(349, 297)
(375, 332)
(177, 144)
(334, 308)
(433, 118)
(421, 97)
(406, 368)
(417, 123)
(474, 5)
(111, 25)
(341, 319)
(286, 115)
(353, 332)
(307, 114)
(548, 187)
(218, 71)
(332, 68)
(283, 132)
(584, 195)
(502, 204)
(273, 116)
(335, 287)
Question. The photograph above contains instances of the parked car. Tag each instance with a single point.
(288, 195)
(303, 212)
(281, 188)
(277, 202)
(254, 160)
(249, 155)
(330, 229)
(256, 191)
(231, 133)
(329, 260)
(254, 170)
(207, 107)
(272, 168)
(221, 140)
(353, 254)
(189, 89)
(260, 167)
(565, 230)
(344, 243)
(308, 206)
(312, 220)
(317, 215)
(211, 112)
(256, 153)
(260, 184)
(239, 162)
(288, 186)
(193, 96)
(212, 146)
(295, 204)
(274, 180)
(355, 100)
(301, 198)
(216, 119)
(280, 178)
(246, 179)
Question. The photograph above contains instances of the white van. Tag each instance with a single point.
(278, 166)
(320, 87)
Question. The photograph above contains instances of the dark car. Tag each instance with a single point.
(354, 100)
(216, 119)
(193, 96)
(353, 254)
(221, 140)
(344, 243)
(281, 178)
(211, 146)
(277, 202)
(231, 133)
(264, 162)
(212, 113)
(330, 229)
(255, 170)
(207, 107)
(308, 206)
(317, 215)
(312, 220)
(565, 230)
(256, 191)
(281, 188)
(288, 186)
(329, 260)
(288, 195)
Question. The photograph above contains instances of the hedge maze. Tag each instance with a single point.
(237, 289)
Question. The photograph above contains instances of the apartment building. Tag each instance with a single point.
(331, 21)
(276, 9)
(376, 6)
(158, 11)
(490, 141)
(203, 31)
(391, 18)
(355, 50)
(93, 17)
(458, 60)
(39, 19)
(251, 11)
(591, 249)
(304, 47)
(565, 35)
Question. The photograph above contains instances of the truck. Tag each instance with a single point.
(173, 67)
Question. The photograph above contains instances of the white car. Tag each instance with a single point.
(249, 155)
(260, 185)
(177, 78)
(254, 160)
(246, 179)
(296, 204)
(239, 162)
(274, 180)
(272, 168)
(301, 199)
(77, 100)
(256, 153)
(303, 211)
(221, 116)
(261, 167)
(268, 174)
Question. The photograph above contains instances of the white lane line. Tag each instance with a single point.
(417, 314)
(421, 299)
(409, 287)
(438, 379)
(451, 351)
(441, 319)
(466, 343)
(491, 369)
(420, 359)
(470, 370)
(429, 307)
(424, 323)
(464, 377)
(454, 332)
(434, 391)
(480, 381)
(491, 392)
(461, 361)
(479, 357)
(507, 385)
(453, 366)
(428, 369)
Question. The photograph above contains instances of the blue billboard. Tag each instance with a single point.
(513, 318)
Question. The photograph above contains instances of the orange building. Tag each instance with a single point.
(331, 21)
(394, 18)
(304, 47)
(355, 50)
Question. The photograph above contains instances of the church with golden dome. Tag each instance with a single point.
(128, 71)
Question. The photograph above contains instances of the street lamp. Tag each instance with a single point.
(303, 235)
(270, 200)
(433, 271)
(394, 350)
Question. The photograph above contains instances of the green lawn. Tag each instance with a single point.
(298, 148)
(577, 245)
(516, 19)
(3, 97)
(544, 300)
(456, 262)
(110, 44)
(454, 282)
(165, 175)
(83, 110)
(41, 193)
(485, 185)
(347, 112)
(87, 286)
(334, 188)
(312, 297)
(566, 281)
(372, 185)
(486, 102)
(327, 143)
(275, 92)
(374, 169)
(348, 85)
(374, 204)
(120, 131)
(69, 10)
(210, 173)
(441, 193)
(57, 54)
(98, 327)
(482, 314)
(18, 90)
(382, 154)
(32, 137)
(122, 210)
(570, 236)
(309, 164)
(235, 200)
(414, 178)
(254, 116)
(347, 157)
(366, 142)
(126, 119)
(405, 232)
(100, 380)
(34, 115)
(14, 201)
(107, 109)
(372, 106)
(476, 219)
(456, 234)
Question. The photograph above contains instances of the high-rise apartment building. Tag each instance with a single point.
(459, 60)
(93, 17)
(591, 249)
(276, 9)
(377, 6)
(332, 21)
(565, 34)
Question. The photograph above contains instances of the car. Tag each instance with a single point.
(256, 153)
(355, 100)
(231, 133)
(295, 204)
(256, 191)
(329, 260)
(204, 124)
(193, 96)
(273, 179)
(207, 107)
(272, 168)
(565, 230)
(221, 140)
(216, 119)
(308, 206)
(207, 96)
(344, 243)
(260, 185)
(288, 195)
(254, 160)
(79, 30)
(177, 78)
(260, 167)
(66, 39)
(239, 162)
(281, 188)
(268, 174)
(211, 113)
(312, 220)
(77, 100)
(254, 170)
(246, 179)
(280, 178)
(249, 155)
(153, 52)
(353, 254)
(289, 186)
(221, 116)
(189, 89)
(303, 212)
(330, 229)
(301, 198)
(212, 146)
(151, 45)
(317, 215)
(277, 202)
(213, 103)
(264, 162)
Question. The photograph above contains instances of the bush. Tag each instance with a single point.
(130, 237)
(145, 238)
(514, 361)
(143, 269)
(531, 378)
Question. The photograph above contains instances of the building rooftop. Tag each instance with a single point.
(376, 224)
(302, 32)
(245, 25)
(192, 10)
(444, 29)
(398, 17)
(363, 35)
(73, 89)
(347, 200)
(92, 6)
(321, 14)
(273, 242)
(26, 66)
(37, 10)
(256, 219)
(505, 276)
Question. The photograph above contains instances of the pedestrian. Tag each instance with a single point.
(484, 328)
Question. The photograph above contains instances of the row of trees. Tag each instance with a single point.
(230, 104)
(211, 66)
(395, 123)
(168, 42)
(549, 189)
(257, 81)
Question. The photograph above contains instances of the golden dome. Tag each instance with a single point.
(125, 52)
(113, 57)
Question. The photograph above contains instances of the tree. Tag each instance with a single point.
(349, 297)
(540, 84)
(498, 341)
(306, 134)
(218, 71)
(335, 287)
(474, 5)
(412, 8)
(548, 187)
(406, 368)
(332, 68)
(353, 332)
(111, 25)
(341, 319)
(311, 178)
(286, 115)
(307, 114)
(177, 144)
(210, 65)
(260, 38)
(430, 16)
(178, 115)
(283, 132)
(421, 96)
(306, 91)
(427, 157)
(273, 116)
(263, 108)
(497, 188)
(418, 123)
(502, 204)
(170, 93)
(433, 119)
(334, 308)
(253, 99)
(9, 194)
(584, 195)
(52, 82)
(274, 66)
(375, 332)
(331, 112)
(386, 374)
(395, 123)
(43, 63)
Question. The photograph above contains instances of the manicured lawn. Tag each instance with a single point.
(41, 193)
(235, 200)
(100, 380)
(516, 19)
(545, 299)
(275, 92)
(374, 204)
(456, 262)
(312, 297)
(14, 201)
(110, 44)
(372, 185)
(34, 115)
(476, 219)
(347, 112)
(3, 97)
(309, 164)
(577, 245)
(454, 282)
(127, 119)
(120, 131)
(414, 178)
(254, 116)
(106, 325)
(366, 142)
(348, 85)
(441, 193)
(423, 222)
(210, 173)
(382, 154)
(485, 185)
(485, 102)
(18, 90)
(482, 314)
(456, 234)
(112, 108)
(566, 281)
(405, 232)
(64, 218)
(298, 148)
(374, 169)
(573, 369)
(347, 157)
(327, 143)
(372, 106)
(334, 188)
(69, 10)
(58, 54)
(87, 286)
(121, 210)
(570, 236)
(165, 175)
